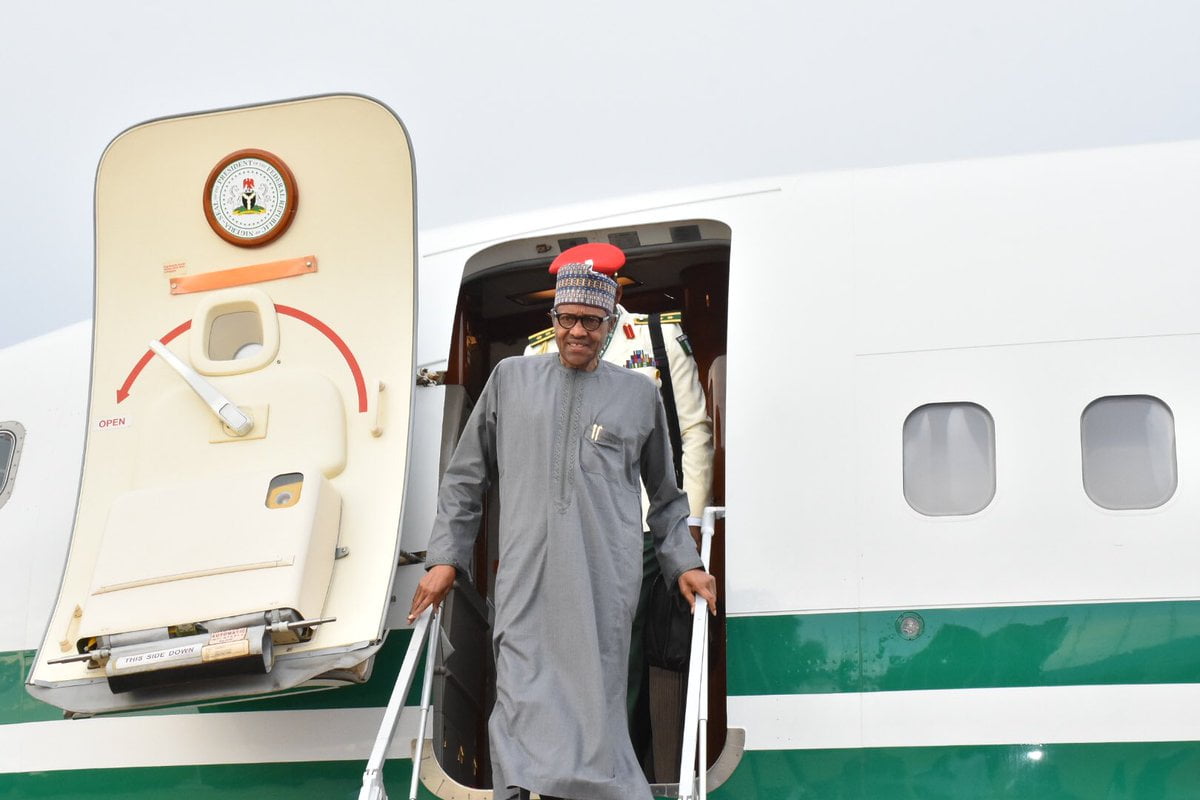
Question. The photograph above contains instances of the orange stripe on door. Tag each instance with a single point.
(240, 276)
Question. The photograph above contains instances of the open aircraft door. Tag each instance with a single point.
(238, 516)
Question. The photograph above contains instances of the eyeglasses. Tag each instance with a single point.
(589, 321)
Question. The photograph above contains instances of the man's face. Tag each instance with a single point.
(579, 348)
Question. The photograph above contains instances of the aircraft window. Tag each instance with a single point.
(12, 434)
(8, 444)
(949, 459)
(1128, 444)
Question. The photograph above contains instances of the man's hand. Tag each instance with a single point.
(698, 582)
(433, 589)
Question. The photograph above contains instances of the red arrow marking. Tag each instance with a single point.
(339, 344)
(123, 392)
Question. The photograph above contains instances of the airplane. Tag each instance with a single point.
(952, 409)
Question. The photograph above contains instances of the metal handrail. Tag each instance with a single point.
(426, 696)
(693, 758)
(372, 785)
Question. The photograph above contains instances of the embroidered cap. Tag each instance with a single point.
(581, 283)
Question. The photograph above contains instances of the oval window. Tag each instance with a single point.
(1128, 444)
(12, 436)
(949, 459)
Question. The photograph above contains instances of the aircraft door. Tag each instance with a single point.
(238, 516)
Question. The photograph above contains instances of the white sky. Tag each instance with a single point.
(526, 104)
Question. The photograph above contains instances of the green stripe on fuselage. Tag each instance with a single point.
(321, 780)
(1113, 771)
(966, 648)
(16, 705)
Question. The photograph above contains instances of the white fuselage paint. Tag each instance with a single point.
(1041, 715)
(209, 738)
(932, 718)
(1029, 285)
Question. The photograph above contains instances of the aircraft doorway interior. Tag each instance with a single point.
(507, 290)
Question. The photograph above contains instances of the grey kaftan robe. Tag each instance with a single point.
(566, 448)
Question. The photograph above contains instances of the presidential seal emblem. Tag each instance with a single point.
(250, 198)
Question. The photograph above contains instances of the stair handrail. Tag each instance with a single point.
(426, 697)
(693, 757)
(372, 785)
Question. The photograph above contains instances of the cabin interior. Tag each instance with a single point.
(506, 294)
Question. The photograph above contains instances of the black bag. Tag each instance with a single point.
(668, 632)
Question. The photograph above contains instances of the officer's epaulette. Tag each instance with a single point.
(667, 318)
(541, 337)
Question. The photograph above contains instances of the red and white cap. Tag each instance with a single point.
(603, 258)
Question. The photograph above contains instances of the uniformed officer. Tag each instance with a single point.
(630, 345)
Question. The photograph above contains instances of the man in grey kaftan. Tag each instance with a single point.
(570, 561)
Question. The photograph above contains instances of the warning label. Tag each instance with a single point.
(220, 652)
(220, 637)
(164, 656)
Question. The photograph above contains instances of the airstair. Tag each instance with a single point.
(693, 773)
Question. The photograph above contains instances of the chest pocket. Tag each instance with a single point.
(610, 454)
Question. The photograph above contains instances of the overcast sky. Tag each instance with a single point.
(520, 105)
